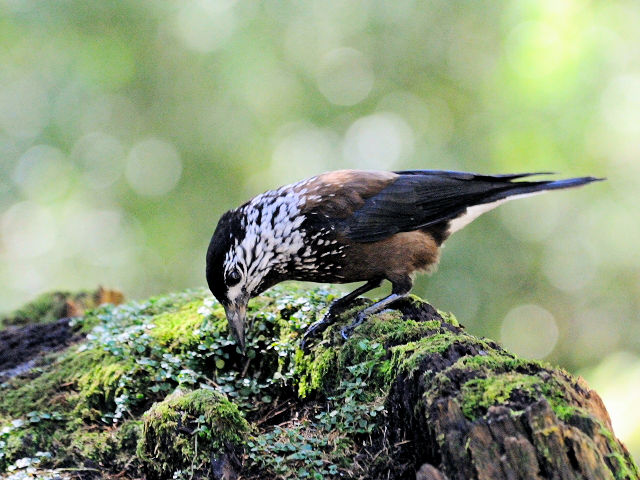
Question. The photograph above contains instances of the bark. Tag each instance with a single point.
(472, 410)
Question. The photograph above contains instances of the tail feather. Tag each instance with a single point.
(511, 191)
(472, 176)
(520, 188)
(419, 199)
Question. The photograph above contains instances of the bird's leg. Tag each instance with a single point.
(343, 302)
(398, 291)
(339, 304)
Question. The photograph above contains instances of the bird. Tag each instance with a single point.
(349, 226)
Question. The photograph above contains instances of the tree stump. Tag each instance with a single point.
(159, 389)
(471, 410)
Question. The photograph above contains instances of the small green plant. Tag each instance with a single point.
(296, 449)
(11, 437)
(324, 444)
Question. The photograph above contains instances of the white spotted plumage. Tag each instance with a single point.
(272, 237)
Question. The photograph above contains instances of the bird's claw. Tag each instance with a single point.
(315, 329)
(321, 325)
(348, 330)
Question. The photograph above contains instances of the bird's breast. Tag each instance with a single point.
(397, 256)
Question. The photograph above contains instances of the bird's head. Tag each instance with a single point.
(227, 272)
(250, 250)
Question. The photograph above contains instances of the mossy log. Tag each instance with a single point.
(159, 390)
(471, 410)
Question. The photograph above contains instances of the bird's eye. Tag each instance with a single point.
(233, 277)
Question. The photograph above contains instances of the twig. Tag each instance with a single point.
(78, 469)
(275, 411)
(246, 367)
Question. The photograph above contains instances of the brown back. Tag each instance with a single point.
(338, 194)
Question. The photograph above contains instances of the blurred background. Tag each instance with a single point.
(128, 127)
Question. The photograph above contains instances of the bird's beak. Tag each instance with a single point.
(236, 315)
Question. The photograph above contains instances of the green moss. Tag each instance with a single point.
(478, 394)
(179, 330)
(89, 379)
(404, 331)
(96, 446)
(498, 361)
(76, 387)
(566, 412)
(408, 357)
(449, 318)
(22, 443)
(107, 447)
(139, 352)
(624, 468)
(186, 430)
(316, 372)
(47, 390)
(24, 437)
(384, 323)
(411, 342)
(47, 307)
(101, 383)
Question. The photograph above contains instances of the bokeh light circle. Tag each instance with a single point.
(101, 159)
(571, 264)
(28, 231)
(205, 25)
(534, 49)
(23, 107)
(153, 167)
(621, 104)
(345, 76)
(529, 331)
(303, 150)
(43, 173)
(378, 141)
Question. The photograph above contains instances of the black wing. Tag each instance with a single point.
(420, 198)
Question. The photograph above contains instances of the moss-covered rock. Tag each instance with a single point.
(43, 309)
(198, 434)
(409, 388)
(49, 307)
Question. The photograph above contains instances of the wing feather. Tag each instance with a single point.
(421, 198)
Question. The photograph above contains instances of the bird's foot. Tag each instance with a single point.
(337, 307)
(348, 330)
(315, 329)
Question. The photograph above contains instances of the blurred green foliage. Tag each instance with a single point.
(127, 128)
